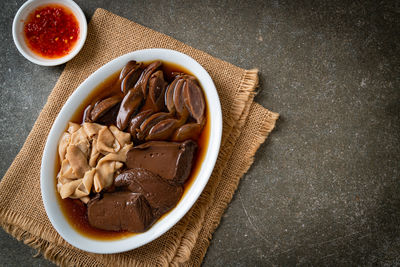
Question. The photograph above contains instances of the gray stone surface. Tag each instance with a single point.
(324, 188)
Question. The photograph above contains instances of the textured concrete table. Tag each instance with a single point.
(325, 187)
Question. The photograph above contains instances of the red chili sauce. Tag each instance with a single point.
(51, 31)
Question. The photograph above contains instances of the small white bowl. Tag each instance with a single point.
(48, 180)
(18, 31)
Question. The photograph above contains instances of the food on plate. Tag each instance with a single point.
(160, 194)
(51, 31)
(170, 160)
(90, 155)
(120, 210)
(133, 148)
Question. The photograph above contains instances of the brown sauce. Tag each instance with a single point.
(74, 210)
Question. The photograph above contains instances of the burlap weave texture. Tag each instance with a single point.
(246, 126)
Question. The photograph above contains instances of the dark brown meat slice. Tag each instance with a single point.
(161, 195)
(126, 69)
(186, 132)
(194, 100)
(120, 211)
(145, 76)
(170, 160)
(137, 120)
(129, 105)
(131, 78)
(110, 117)
(157, 86)
(150, 122)
(162, 130)
(169, 95)
(103, 106)
(178, 97)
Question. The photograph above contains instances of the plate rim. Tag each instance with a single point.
(121, 245)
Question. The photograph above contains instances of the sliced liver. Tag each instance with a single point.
(170, 160)
(120, 211)
(161, 195)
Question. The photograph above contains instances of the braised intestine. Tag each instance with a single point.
(150, 108)
(91, 155)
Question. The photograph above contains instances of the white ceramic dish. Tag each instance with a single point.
(47, 179)
(18, 31)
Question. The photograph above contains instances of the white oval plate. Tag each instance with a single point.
(48, 181)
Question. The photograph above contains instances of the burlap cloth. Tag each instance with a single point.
(246, 126)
